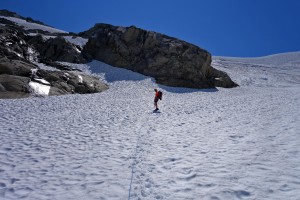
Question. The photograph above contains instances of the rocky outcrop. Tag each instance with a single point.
(14, 83)
(170, 61)
(71, 82)
(16, 75)
(15, 67)
(56, 49)
(220, 78)
(20, 77)
(14, 78)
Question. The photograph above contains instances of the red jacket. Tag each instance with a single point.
(156, 94)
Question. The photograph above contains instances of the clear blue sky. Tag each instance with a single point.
(240, 28)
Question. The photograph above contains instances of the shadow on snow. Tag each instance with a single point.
(113, 74)
(186, 90)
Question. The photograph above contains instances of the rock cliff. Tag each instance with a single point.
(170, 61)
(20, 75)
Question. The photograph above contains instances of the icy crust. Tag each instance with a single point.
(240, 143)
(262, 71)
(29, 25)
(276, 60)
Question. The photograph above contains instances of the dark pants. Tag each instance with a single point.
(155, 102)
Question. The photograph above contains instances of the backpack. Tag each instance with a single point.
(160, 95)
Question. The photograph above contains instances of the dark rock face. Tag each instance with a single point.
(15, 76)
(71, 82)
(17, 69)
(57, 49)
(13, 44)
(170, 61)
(14, 83)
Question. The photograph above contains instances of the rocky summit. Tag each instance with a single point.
(170, 61)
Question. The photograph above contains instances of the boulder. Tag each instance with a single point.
(18, 53)
(16, 67)
(170, 61)
(220, 78)
(14, 83)
(13, 95)
(63, 82)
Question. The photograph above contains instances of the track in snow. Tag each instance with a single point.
(237, 143)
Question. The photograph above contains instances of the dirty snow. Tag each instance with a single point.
(42, 87)
(240, 143)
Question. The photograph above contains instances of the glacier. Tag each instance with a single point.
(240, 143)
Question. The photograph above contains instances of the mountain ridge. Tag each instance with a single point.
(171, 61)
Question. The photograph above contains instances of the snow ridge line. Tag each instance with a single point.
(134, 160)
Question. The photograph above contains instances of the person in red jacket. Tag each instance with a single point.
(156, 98)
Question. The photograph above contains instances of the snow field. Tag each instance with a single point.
(29, 25)
(240, 143)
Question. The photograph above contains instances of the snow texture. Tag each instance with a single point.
(40, 87)
(240, 143)
(79, 41)
(29, 25)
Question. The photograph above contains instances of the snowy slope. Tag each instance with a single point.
(79, 41)
(30, 25)
(240, 143)
(272, 71)
(291, 58)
